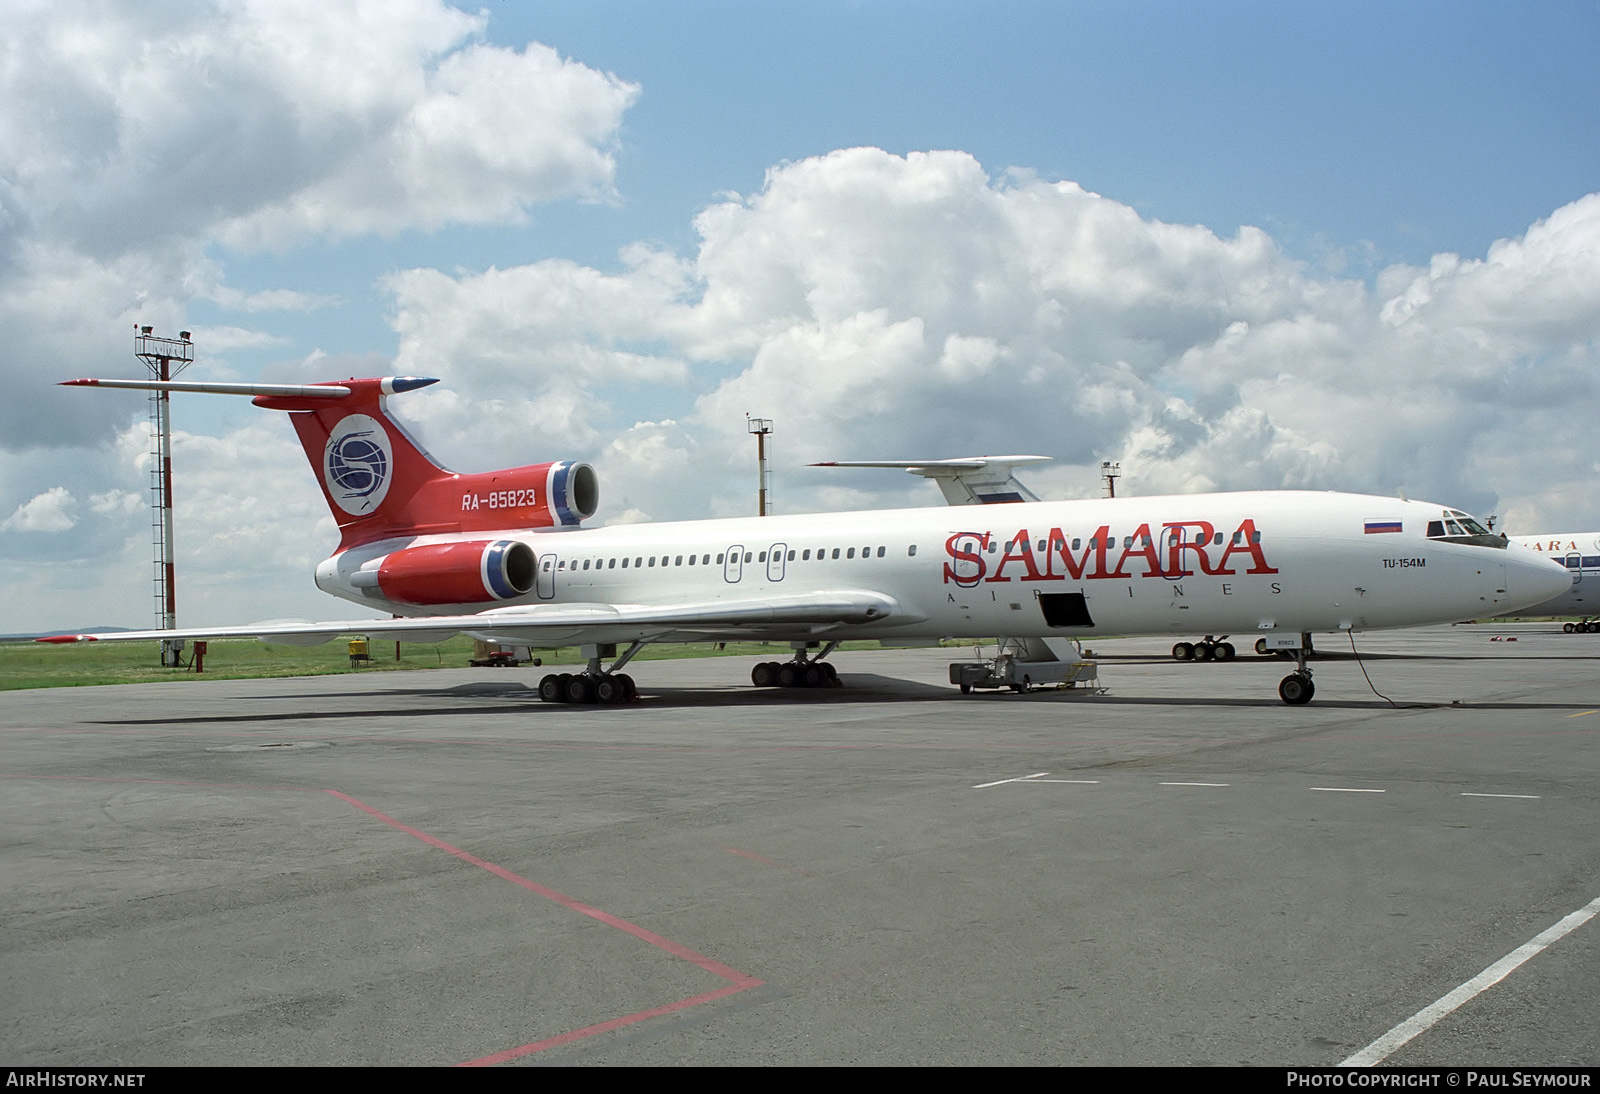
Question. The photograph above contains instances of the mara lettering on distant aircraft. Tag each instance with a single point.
(1579, 554)
(503, 556)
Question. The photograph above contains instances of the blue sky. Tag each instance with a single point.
(1234, 245)
(1357, 134)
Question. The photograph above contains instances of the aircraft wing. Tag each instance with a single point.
(968, 480)
(814, 614)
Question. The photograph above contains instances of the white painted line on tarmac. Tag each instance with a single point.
(1002, 782)
(1193, 784)
(1428, 1016)
(1347, 789)
(1470, 794)
(1038, 778)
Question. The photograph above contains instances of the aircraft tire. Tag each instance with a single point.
(788, 676)
(1225, 651)
(765, 674)
(550, 688)
(580, 689)
(1569, 627)
(1296, 689)
(1204, 651)
(630, 690)
(813, 677)
(1183, 651)
(609, 690)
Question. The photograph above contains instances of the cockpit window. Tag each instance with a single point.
(1454, 526)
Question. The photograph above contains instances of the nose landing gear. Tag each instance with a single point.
(1296, 689)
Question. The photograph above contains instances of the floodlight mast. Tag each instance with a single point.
(166, 358)
(760, 427)
(1110, 472)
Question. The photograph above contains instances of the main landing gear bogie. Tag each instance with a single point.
(795, 674)
(606, 688)
(1207, 649)
(1586, 626)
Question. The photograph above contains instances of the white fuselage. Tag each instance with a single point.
(1175, 565)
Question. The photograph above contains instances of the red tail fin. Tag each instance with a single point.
(380, 484)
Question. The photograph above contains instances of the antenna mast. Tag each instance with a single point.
(166, 358)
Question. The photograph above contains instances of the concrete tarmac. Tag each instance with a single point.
(437, 868)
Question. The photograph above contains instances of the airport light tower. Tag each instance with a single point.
(1110, 472)
(760, 427)
(166, 358)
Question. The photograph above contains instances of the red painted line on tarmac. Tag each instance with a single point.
(752, 855)
(738, 981)
(606, 1027)
(765, 861)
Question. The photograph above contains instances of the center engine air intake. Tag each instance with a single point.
(574, 492)
(458, 573)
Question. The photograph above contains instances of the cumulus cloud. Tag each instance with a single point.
(139, 141)
(883, 306)
(51, 511)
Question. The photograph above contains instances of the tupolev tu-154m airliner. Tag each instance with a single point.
(501, 556)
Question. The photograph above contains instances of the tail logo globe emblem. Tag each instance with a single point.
(357, 464)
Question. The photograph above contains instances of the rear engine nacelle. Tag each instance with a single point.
(574, 492)
(458, 573)
(544, 495)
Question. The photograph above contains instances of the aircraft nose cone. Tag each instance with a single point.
(1531, 578)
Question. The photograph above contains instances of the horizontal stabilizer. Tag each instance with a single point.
(391, 385)
(966, 480)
